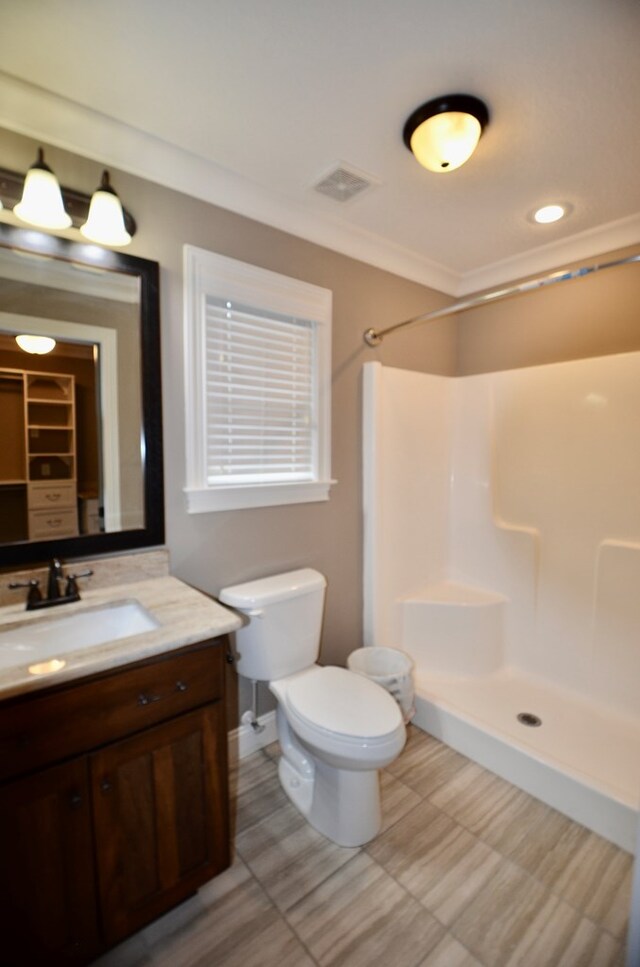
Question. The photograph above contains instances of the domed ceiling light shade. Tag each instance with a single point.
(105, 223)
(444, 132)
(41, 202)
(37, 345)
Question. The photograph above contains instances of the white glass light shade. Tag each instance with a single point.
(41, 202)
(37, 345)
(445, 141)
(105, 223)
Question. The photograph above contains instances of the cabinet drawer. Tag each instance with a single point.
(46, 728)
(56, 522)
(44, 496)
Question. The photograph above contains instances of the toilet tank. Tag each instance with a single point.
(285, 618)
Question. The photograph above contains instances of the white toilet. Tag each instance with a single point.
(336, 728)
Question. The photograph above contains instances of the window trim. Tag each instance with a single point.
(207, 273)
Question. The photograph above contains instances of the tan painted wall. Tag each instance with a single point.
(596, 315)
(214, 550)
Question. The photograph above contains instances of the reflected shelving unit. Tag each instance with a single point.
(49, 401)
(38, 467)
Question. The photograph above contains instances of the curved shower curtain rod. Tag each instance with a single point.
(373, 337)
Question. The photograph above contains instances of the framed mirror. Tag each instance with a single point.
(80, 400)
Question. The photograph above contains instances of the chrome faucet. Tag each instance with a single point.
(55, 575)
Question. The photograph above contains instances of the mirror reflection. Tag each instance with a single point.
(71, 417)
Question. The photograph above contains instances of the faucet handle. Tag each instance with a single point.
(34, 594)
(71, 589)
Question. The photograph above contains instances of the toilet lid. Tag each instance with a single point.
(340, 701)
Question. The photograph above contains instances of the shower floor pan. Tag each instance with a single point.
(584, 760)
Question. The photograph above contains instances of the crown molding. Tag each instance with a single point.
(40, 114)
(584, 245)
(43, 115)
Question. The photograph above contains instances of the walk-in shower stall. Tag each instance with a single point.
(502, 552)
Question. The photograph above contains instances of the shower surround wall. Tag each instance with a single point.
(502, 552)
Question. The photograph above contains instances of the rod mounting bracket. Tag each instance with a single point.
(372, 338)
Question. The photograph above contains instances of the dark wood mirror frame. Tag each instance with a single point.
(152, 533)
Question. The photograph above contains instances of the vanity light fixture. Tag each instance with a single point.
(444, 132)
(37, 345)
(105, 223)
(41, 202)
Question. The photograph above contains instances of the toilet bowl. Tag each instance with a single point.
(336, 728)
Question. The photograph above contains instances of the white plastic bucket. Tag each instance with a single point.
(390, 668)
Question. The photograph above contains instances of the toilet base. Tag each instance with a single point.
(346, 805)
(298, 788)
(342, 804)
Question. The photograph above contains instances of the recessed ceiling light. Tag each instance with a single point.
(550, 213)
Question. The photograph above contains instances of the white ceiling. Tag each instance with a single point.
(249, 103)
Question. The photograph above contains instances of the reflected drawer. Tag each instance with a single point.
(40, 729)
(46, 495)
(57, 522)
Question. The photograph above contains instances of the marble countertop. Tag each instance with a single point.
(184, 616)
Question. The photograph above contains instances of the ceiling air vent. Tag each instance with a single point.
(344, 183)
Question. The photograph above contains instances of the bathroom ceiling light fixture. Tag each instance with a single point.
(550, 213)
(37, 345)
(41, 202)
(444, 132)
(105, 223)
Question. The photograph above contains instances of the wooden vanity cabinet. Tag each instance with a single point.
(132, 819)
(48, 913)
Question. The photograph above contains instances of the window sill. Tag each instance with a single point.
(210, 499)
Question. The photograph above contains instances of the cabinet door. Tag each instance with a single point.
(161, 817)
(47, 906)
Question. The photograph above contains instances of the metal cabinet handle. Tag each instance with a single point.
(181, 686)
(75, 800)
(148, 699)
(106, 786)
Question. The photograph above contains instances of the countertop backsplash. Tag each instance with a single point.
(113, 569)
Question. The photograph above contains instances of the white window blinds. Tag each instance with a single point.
(260, 395)
(257, 351)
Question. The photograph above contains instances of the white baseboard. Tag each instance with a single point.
(243, 741)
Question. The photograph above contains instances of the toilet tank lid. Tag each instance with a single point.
(278, 587)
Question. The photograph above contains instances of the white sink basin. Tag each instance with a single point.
(52, 637)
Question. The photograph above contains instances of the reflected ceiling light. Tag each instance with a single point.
(550, 213)
(105, 223)
(444, 132)
(38, 345)
(47, 667)
(41, 202)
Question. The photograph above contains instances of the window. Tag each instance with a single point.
(258, 386)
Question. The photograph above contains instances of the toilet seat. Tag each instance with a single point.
(339, 704)
(318, 702)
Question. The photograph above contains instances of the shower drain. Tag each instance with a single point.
(528, 718)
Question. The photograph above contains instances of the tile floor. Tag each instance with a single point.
(467, 871)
